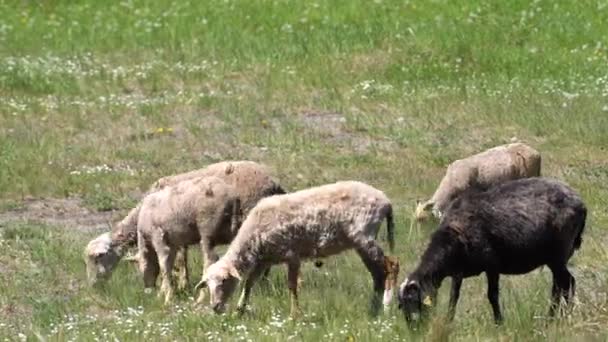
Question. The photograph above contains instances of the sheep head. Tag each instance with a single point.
(423, 210)
(221, 278)
(415, 300)
(100, 258)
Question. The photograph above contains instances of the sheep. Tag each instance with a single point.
(110, 248)
(201, 210)
(252, 181)
(307, 224)
(101, 258)
(493, 166)
(512, 228)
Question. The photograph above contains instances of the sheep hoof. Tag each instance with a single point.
(241, 310)
(202, 308)
(387, 309)
(168, 299)
(295, 313)
(182, 286)
(201, 297)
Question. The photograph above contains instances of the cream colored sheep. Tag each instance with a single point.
(495, 165)
(308, 224)
(101, 258)
(252, 181)
(203, 211)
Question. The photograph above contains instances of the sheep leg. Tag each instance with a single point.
(266, 273)
(569, 286)
(493, 291)
(251, 279)
(555, 297)
(563, 286)
(209, 257)
(181, 263)
(166, 259)
(572, 288)
(373, 257)
(148, 263)
(293, 273)
(454, 295)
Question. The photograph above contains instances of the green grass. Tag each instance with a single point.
(387, 92)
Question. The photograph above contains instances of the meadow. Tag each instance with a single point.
(98, 99)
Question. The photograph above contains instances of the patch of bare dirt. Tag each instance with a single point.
(330, 124)
(68, 213)
(332, 128)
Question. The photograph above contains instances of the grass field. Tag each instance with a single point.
(98, 99)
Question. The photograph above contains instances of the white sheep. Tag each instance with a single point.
(308, 224)
(203, 211)
(252, 181)
(493, 166)
(101, 257)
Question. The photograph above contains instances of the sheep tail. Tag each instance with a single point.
(579, 237)
(277, 190)
(390, 229)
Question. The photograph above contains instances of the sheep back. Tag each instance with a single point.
(518, 224)
(177, 209)
(316, 221)
(251, 180)
(490, 167)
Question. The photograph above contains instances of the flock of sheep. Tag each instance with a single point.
(496, 214)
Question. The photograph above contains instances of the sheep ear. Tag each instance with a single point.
(422, 207)
(402, 291)
(234, 272)
(132, 236)
(412, 286)
(402, 287)
(201, 284)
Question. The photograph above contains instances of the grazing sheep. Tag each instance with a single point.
(252, 181)
(203, 211)
(482, 170)
(512, 228)
(308, 224)
(101, 258)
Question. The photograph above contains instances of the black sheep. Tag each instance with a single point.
(511, 228)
